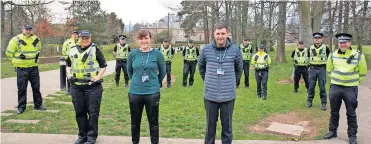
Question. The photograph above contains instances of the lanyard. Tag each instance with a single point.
(145, 64)
(220, 58)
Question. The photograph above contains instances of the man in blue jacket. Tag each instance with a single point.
(220, 65)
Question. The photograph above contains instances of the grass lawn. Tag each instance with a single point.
(7, 69)
(182, 113)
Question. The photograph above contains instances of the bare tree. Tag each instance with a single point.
(346, 16)
(317, 15)
(340, 19)
(305, 28)
(281, 32)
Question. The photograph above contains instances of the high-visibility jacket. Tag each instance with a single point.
(347, 69)
(122, 51)
(317, 55)
(24, 51)
(261, 60)
(190, 54)
(166, 52)
(301, 57)
(67, 45)
(84, 65)
(245, 51)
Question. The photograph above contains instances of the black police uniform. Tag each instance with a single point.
(300, 71)
(189, 68)
(121, 64)
(86, 100)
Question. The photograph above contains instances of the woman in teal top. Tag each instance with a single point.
(146, 69)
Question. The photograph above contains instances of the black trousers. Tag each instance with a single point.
(320, 74)
(189, 68)
(86, 101)
(168, 72)
(261, 77)
(25, 75)
(226, 112)
(349, 95)
(246, 70)
(120, 64)
(300, 71)
(151, 102)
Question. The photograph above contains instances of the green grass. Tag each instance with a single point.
(7, 69)
(182, 113)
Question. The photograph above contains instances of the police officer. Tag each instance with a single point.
(261, 62)
(23, 50)
(247, 52)
(318, 54)
(300, 56)
(121, 51)
(190, 54)
(347, 68)
(168, 53)
(85, 68)
(69, 43)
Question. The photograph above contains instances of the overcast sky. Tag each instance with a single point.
(129, 10)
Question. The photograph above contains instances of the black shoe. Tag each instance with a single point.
(330, 135)
(20, 111)
(117, 85)
(90, 142)
(323, 108)
(264, 98)
(80, 141)
(259, 96)
(295, 91)
(247, 87)
(168, 85)
(126, 85)
(353, 140)
(41, 108)
(191, 85)
(309, 104)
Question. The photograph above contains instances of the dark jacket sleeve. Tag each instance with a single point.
(161, 67)
(293, 54)
(129, 63)
(129, 49)
(115, 48)
(100, 58)
(202, 64)
(184, 49)
(238, 66)
(327, 51)
(68, 61)
(197, 51)
(172, 51)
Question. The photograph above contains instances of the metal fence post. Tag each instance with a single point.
(62, 62)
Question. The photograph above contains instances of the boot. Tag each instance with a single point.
(117, 84)
(309, 104)
(20, 111)
(169, 85)
(323, 108)
(126, 85)
(330, 135)
(80, 140)
(295, 91)
(353, 140)
(41, 108)
(258, 96)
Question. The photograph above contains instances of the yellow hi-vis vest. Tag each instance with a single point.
(84, 70)
(318, 55)
(245, 51)
(301, 57)
(190, 54)
(166, 53)
(261, 62)
(342, 72)
(67, 45)
(122, 51)
(28, 46)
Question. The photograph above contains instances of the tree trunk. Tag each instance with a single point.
(245, 8)
(305, 33)
(364, 17)
(356, 24)
(227, 13)
(206, 24)
(270, 33)
(3, 39)
(317, 15)
(331, 17)
(346, 16)
(340, 20)
(261, 23)
(281, 32)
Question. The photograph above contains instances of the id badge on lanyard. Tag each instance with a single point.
(145, 77)
(220, 70)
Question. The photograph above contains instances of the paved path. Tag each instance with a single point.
(49, 84)
(21, 138)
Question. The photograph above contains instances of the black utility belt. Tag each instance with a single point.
(168, 62)
(262, 69)
(317, 66)
(26, 67)
(190, 61)
(122, 60)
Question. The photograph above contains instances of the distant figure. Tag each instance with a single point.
(190, 54)
(300, 57)
(318, 54)
(121, 51)
(67, 45)
(261, 62)
(168, 53)
(247, 52)
(24, 50)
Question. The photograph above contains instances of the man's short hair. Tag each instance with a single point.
(221, 26)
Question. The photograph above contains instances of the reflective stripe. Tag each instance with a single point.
(85, 70)
(345, 73)
(10, 51)
(29, 52)
(362, 75)
(345, 81)
(24, 58)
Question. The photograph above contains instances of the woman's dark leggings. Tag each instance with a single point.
(137, 102)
